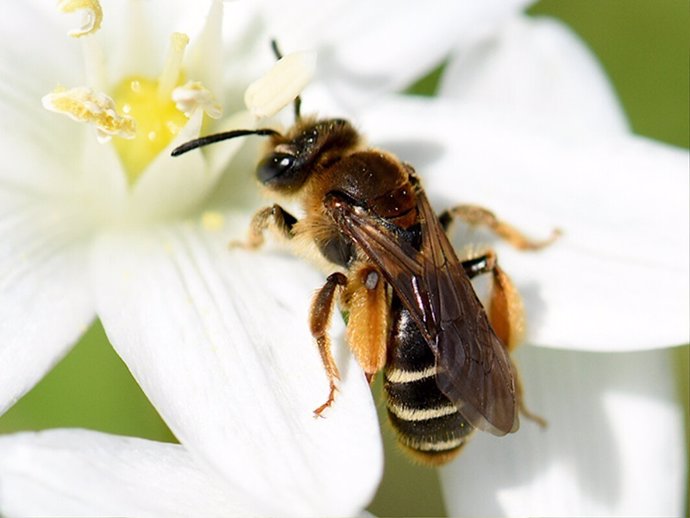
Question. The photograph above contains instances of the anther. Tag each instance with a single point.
(84, 104)
(93, 15)
(281, 85)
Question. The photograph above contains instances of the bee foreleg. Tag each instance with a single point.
(506, 312)
(475, 215)
(368, 321)
(275, 217)
(320, 316)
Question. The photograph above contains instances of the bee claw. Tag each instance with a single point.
(331, 398)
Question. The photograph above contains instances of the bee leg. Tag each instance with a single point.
(320, 316)
(275, 217)
(506, 315)
(506, 312)
(368, 321)
(475, 215)
(524, 411)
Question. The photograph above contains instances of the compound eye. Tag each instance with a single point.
(274, 166)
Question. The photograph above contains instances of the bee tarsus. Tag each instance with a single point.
(274, 217)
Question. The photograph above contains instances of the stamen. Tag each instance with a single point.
(173, 65)
(84, 104)
(93, 15)
(193, 95)
(281, 85)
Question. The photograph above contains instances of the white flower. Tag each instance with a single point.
(539, 137)
(203, 328)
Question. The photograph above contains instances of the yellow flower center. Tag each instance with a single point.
(158, 121)
(144, 114)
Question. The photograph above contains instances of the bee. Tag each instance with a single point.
(410, 307)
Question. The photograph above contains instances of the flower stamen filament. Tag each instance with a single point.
(172, 68)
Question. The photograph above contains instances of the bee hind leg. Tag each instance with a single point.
(474, 215)
(506, 315)
(506, 312)
(524, 411)
(505, 309)
(320, 316)
(275, 217)
(368, 320)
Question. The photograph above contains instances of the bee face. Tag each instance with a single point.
(309, 147)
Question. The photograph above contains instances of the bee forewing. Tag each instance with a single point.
(473, 368)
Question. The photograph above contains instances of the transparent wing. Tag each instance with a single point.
(473, 367)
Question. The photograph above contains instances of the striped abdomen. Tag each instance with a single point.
(427, 423)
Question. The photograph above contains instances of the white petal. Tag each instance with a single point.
(540, 73)
(35, 138)
(51, 155)
(83, 473)
(45, 301)
(176, 185)
(367, 48)
(219, 156)
(614, 445)
(618, 277)
(206, 51)
(45, 64)
(173, 185)
(219, 341)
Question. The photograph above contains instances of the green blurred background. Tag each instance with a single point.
(643, 45)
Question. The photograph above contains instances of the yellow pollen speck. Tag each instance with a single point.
(93, 15)
(84, 104)
(212, 220)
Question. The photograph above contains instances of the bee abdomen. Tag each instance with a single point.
(426, 422)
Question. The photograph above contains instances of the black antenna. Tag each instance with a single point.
(226, 135)
(217, 137)
(298, 100)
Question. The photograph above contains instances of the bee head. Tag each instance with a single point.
(309, 146)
